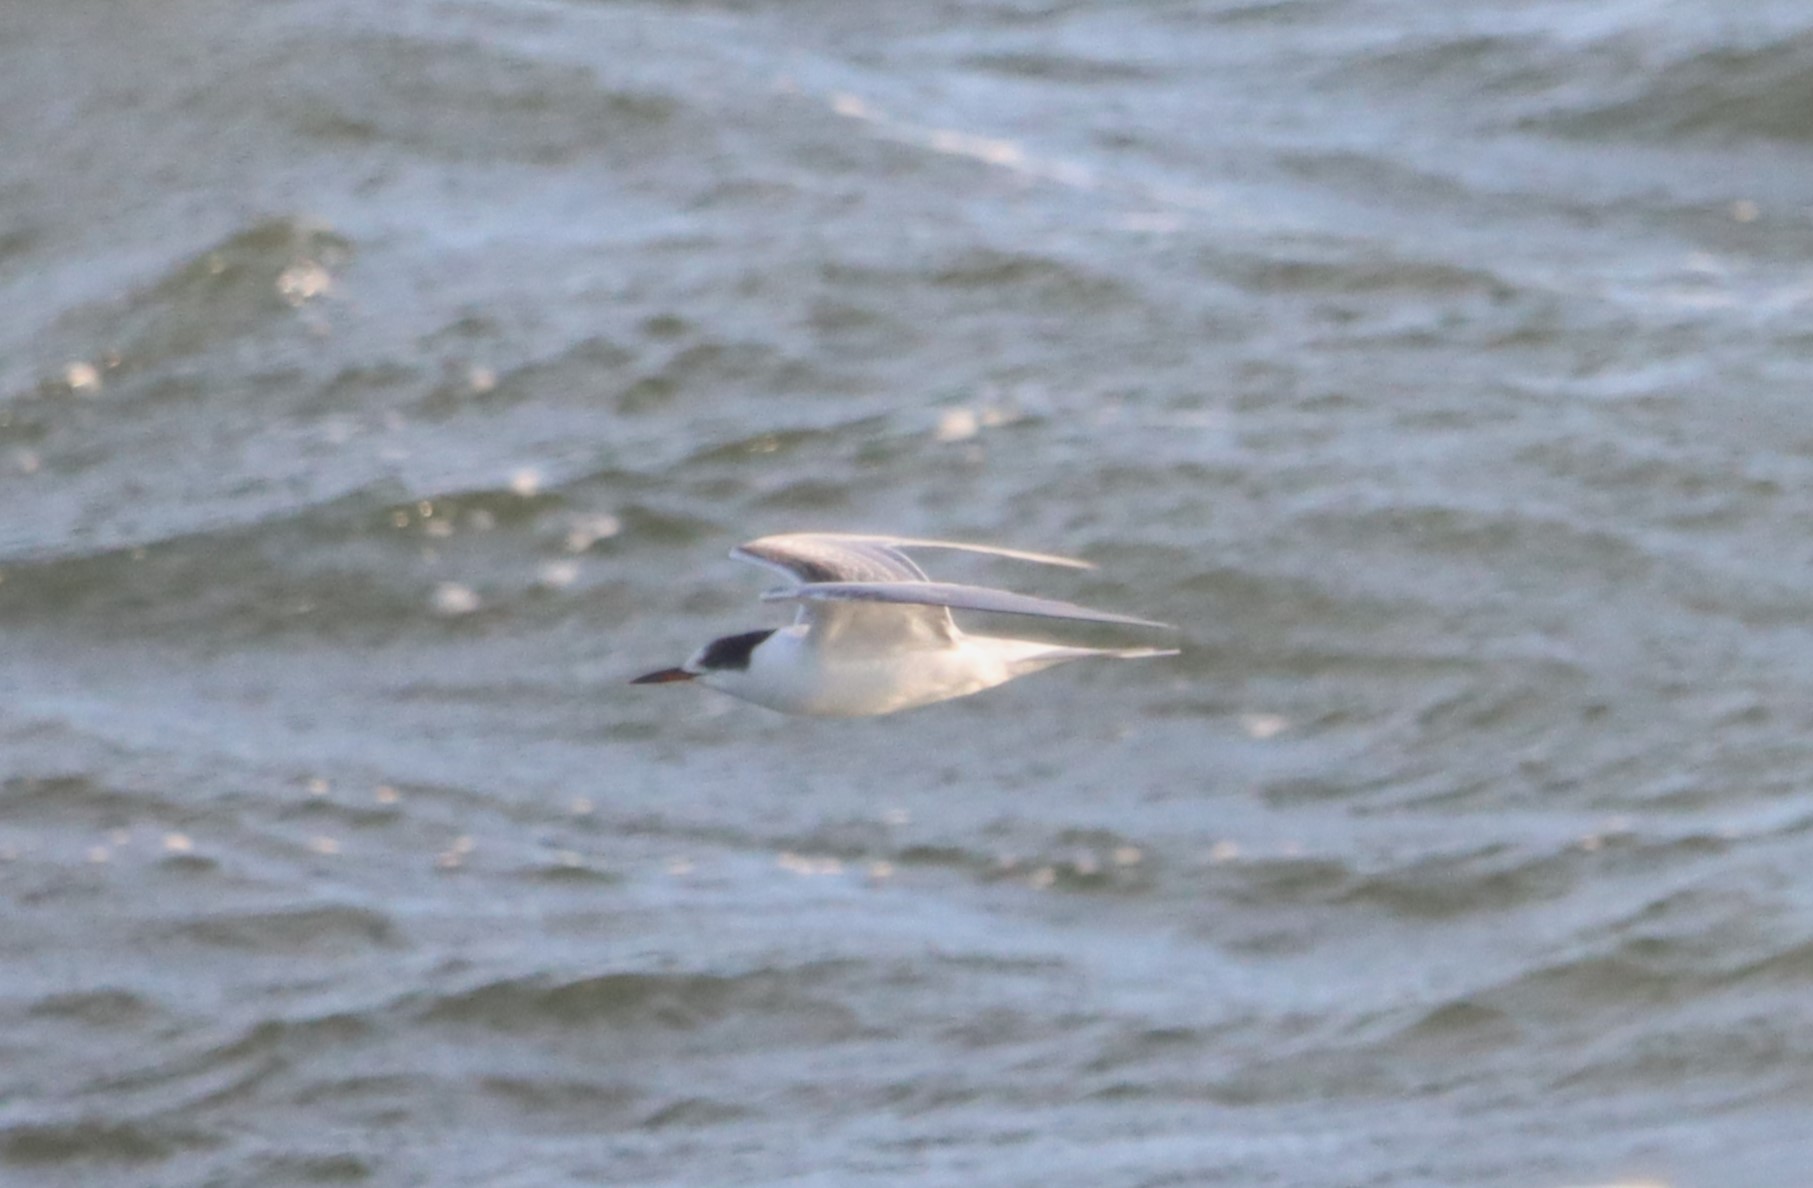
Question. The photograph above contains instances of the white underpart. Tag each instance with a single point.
(789, 672)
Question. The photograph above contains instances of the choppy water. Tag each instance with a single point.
(381, 385)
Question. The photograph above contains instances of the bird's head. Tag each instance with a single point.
(718, 664)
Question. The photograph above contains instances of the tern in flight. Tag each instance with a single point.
(874, 634)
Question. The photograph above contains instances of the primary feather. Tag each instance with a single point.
(953, 597)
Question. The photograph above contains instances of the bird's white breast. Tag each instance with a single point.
(790, 673)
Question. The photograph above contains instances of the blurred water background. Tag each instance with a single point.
(381, 385)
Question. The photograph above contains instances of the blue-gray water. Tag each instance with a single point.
(381, 385)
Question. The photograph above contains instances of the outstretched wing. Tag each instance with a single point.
(834, 560)
(816, 557)
(807, 557)
(952, 597)
(863, 557)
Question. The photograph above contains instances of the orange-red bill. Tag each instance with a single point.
(663, 677)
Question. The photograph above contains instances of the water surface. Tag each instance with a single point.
(382, 386)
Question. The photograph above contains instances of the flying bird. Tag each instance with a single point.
(874, 634)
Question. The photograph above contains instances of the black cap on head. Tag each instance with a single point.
(732, 651)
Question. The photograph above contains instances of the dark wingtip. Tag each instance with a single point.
(663, 677)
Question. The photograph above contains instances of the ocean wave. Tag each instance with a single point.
(1643, 77)
(1062, 69)
(682, 1001)
(1759, 90)
(140, 348)
(339, 929)
(459, 99)
(367, 560)
(1330, 266)
(103, 1140)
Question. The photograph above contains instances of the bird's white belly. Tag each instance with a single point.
(798, 678)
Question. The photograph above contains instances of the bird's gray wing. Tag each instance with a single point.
(829, 559)
(959, 546)
(808, 557)
(866, 557)
(824, 557)
(952, 597)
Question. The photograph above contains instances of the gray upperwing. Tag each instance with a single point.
(815, 557)
(859, 557)
(953, 597)
(913, 542)
(807, 558)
